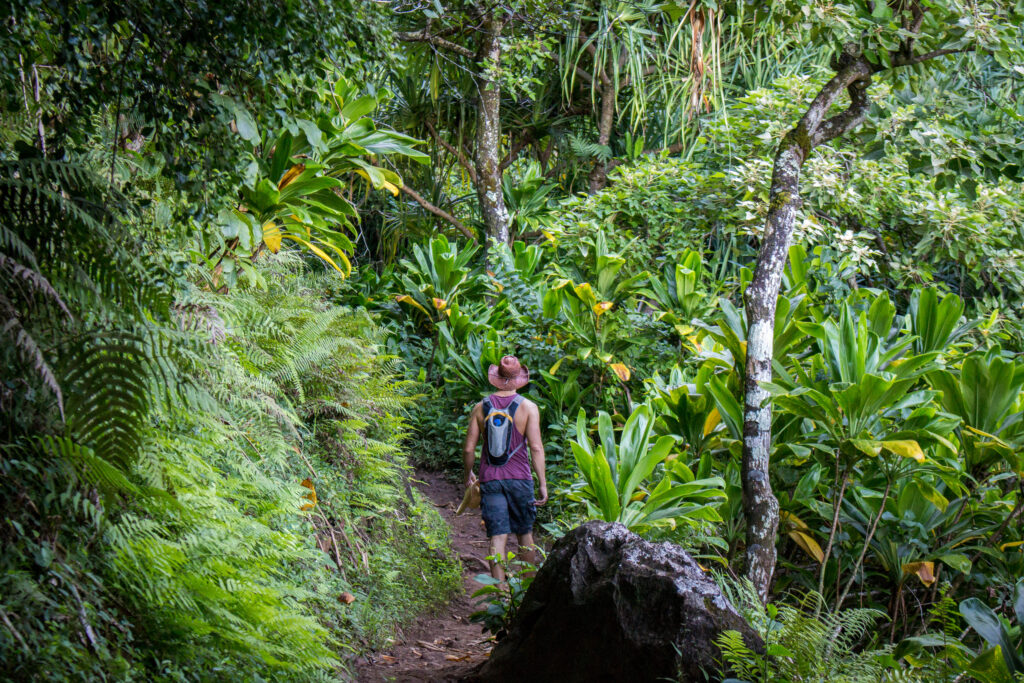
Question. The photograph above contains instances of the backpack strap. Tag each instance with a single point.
(514, 406)
(486, 403)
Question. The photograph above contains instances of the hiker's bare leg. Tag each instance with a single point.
(498, 550)
(527, 549)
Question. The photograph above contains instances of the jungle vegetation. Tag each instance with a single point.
(761, 258)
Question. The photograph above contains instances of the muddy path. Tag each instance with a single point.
(443, 645)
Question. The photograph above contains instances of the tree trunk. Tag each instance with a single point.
(599, 174)
(760, 507)
(488, 133)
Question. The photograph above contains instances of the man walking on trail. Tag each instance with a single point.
(509, 423)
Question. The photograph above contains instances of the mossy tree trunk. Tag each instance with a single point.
(760, 506)
(487, 158)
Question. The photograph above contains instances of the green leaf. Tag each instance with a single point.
(957, 561)
(983, 620)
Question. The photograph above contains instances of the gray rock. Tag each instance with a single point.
(609, 606)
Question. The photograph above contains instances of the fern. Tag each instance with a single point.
(799, 645)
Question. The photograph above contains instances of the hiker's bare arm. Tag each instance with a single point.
(469, 450)
(533, 439)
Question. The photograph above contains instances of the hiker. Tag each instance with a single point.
(509, 423)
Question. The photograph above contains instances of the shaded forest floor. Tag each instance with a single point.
(443, 645)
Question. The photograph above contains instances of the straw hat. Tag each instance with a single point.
(508, 376)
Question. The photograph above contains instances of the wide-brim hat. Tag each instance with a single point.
(510, 374)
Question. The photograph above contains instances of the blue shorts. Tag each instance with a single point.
(507, 506)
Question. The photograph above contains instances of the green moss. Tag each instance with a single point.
(801, 138)
(780, 200)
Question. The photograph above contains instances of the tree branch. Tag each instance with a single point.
(899, 59)
(513, 153)
(463, 161)
(439, 212)
(850, 118)
(435, 40)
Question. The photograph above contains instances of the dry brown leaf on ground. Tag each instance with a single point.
(457, 658)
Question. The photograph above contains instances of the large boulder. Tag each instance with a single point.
(609, 606)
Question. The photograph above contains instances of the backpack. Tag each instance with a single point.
(499, 423)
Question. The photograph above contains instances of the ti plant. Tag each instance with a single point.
(618, 484)
(680, 294)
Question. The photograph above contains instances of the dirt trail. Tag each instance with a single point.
(445, 645)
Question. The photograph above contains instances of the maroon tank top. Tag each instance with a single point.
(518, 465)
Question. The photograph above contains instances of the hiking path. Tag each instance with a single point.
(442, 645)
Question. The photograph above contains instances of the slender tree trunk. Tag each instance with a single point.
(837, 504)
(760, 507)
(488, 133)
(599, 174)
(864, 550)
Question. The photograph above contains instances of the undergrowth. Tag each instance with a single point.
(203, 557)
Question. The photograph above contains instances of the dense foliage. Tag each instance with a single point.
(246, 270)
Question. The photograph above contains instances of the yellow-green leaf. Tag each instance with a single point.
(602, 307)
(272, 236)
(291, 175)
(585, 293)
(621, 370)
(908, 448)
(807, 544)
(867, 446)
(791, 521)
(406, 299)
(711, 421)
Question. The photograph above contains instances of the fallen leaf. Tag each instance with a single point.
(388, 659)
(346, 598)
(457, 658)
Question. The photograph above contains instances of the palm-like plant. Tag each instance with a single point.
(617, 485)
(857, 394)
(985, 395)
(681, 293)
